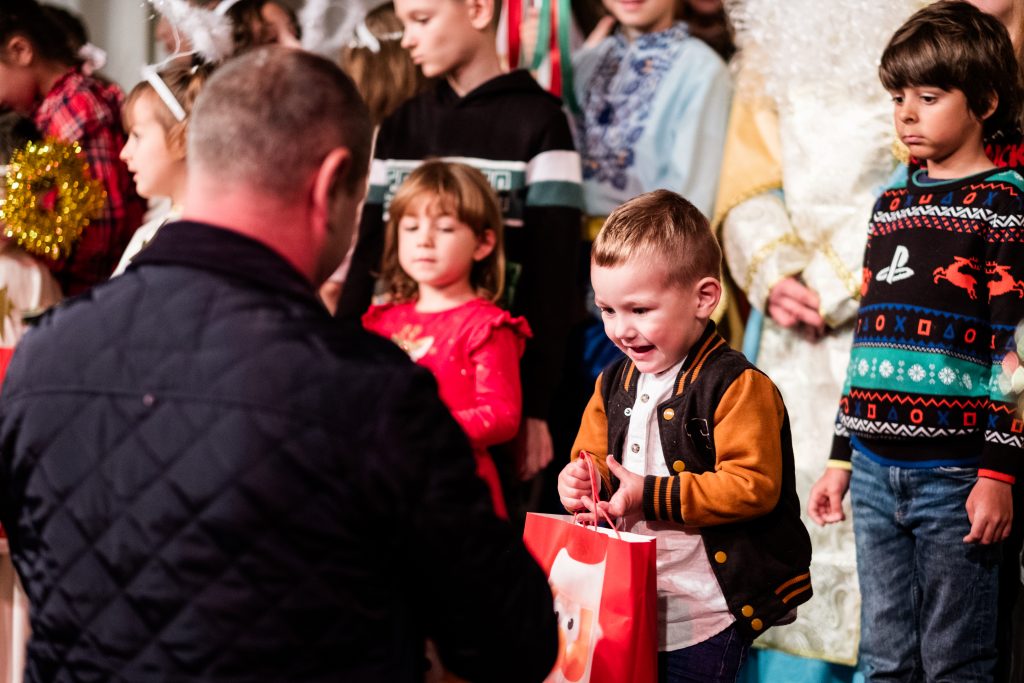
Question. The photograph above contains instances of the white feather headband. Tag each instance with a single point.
(209, 31)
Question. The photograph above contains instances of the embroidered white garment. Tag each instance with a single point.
(691, 607)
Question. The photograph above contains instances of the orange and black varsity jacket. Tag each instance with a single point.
(725, 433)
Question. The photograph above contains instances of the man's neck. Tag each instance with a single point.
(484, 66)
(258, 216)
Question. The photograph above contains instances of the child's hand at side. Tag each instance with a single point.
(629, 497)
(574, 486)
(825, 504)
(990, 511)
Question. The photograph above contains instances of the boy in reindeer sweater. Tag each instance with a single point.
(928, 440)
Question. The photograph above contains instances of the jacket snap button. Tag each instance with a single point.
(635, 448)
(645, 398)
(679, 465)
(747, 611)
(148, 400)
(628, 411)
(668, 414)
(756, 624)
(721, 557)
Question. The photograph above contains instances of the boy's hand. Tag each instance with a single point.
(990, 511)
(630, 496)
(825, 505)
(574, 485)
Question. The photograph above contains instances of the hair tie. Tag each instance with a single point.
(93, 57)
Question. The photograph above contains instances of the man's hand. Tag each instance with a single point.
(990, 511)
(533, 448)
(629, 497)
(825, 505)
(791, 304)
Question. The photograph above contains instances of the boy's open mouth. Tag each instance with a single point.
(640, 350)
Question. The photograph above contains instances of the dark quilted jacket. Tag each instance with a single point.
(206, 478)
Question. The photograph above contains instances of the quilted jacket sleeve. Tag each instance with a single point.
(487, 604)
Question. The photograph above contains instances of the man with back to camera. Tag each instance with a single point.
(204, 476)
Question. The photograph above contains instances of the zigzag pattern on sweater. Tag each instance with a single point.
(898, 431)
(924, 401)
(954, 213)
(1004, 439)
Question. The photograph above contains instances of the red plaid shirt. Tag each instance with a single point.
(83, 109)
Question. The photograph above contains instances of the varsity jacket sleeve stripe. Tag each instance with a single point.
(593, 434)
(747, 479)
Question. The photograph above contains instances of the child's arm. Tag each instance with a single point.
(357, 290)
(547, 293)
(990, 504)
(95, 126)
(747, 478)
(593, 434)
(498, 404)
(825, 503)
(990, 511)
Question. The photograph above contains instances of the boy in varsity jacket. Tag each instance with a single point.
(692, 443)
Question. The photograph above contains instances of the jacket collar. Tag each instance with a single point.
(708, 342)
(224, 251)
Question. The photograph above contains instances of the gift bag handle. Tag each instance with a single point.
(588, 459)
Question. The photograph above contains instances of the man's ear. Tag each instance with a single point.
(332, 173)
(19, 51)
(481, 13)
(708, 291)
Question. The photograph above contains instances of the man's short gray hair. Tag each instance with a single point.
(269, 117)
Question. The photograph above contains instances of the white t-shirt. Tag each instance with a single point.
(691, 606)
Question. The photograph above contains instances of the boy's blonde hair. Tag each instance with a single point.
(185, 82)
(660, 225)
(463, 192)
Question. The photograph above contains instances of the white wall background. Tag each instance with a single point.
(123, 29)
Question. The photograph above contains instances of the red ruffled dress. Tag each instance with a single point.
(473, 350)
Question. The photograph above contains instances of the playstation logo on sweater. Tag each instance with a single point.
(897, 270)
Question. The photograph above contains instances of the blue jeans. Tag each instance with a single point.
(716, 660)
(928, 600)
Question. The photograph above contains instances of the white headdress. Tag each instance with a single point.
(208, 31)
(329, 25)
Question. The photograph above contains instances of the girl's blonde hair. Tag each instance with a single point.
(460, 191)
(386, 77)
(185, 82)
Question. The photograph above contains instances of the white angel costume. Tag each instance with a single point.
(809, 147)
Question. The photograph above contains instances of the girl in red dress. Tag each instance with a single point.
(444, 268)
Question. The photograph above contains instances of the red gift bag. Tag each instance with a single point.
(605, 590)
